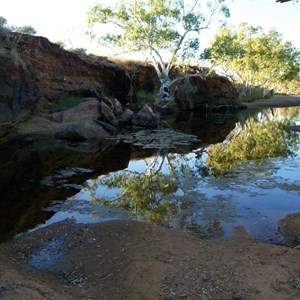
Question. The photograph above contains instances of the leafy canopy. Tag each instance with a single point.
(253, 57)
(145, 25)
(163, 30)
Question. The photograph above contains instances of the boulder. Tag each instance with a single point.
(202, 94)
(126, 116)
(115, 106)
(88, 109)
(145, 118)
(108, 114)
(81, 131)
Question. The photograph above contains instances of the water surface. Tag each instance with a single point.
(249, 178)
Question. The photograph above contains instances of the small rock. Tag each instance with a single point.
(126, 116)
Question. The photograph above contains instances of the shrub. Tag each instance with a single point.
(144, 97)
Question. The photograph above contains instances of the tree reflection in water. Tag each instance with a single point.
(163, 192)
(256, 139)
(149, 194)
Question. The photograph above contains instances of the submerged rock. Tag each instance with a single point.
(158, 139)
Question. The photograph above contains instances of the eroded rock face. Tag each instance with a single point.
(214, 91)
(37, 70)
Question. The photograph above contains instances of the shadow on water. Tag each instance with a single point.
(35, 172)
(205, 174)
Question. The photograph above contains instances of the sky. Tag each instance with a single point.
(65, 20)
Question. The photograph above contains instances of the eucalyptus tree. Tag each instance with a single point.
(253, 57)
(164, 31)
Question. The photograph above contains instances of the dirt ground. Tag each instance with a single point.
(135, 260)
(276, 101)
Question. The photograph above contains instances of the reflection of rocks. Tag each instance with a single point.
(24, 165)
(158, 139)
(289, 227)
(210, 128)
(82, 131)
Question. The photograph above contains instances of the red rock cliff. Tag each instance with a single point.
(34, 70)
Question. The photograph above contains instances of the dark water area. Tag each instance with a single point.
(205, 174)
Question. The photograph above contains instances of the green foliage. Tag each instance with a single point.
(155, 27)
(144, 97)
(26, 29)
(253, 140)
(253, 57)
(13, 40)
(143, 194)
(254, 93)
(78, 51)
(149, 194)
(65, 103)
(291, 87)
(3, 22)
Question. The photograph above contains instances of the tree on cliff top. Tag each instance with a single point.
(164, 31)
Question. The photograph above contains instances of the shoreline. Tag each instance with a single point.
(276, 101)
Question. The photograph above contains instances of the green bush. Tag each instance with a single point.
(256, 93)
(144, 97)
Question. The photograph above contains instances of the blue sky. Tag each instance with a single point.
(66, 19)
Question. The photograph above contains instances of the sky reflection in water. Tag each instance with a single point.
(180, 189)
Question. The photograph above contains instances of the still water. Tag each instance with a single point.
(251, 179)
(202, 174)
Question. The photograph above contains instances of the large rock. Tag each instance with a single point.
(40, 72)
(211, 92)
(88, 109)
(81, 131)
(145, 118)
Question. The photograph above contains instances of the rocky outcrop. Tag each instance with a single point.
(215, 92)
(34, 71)
(196, 94)
(96, 118)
